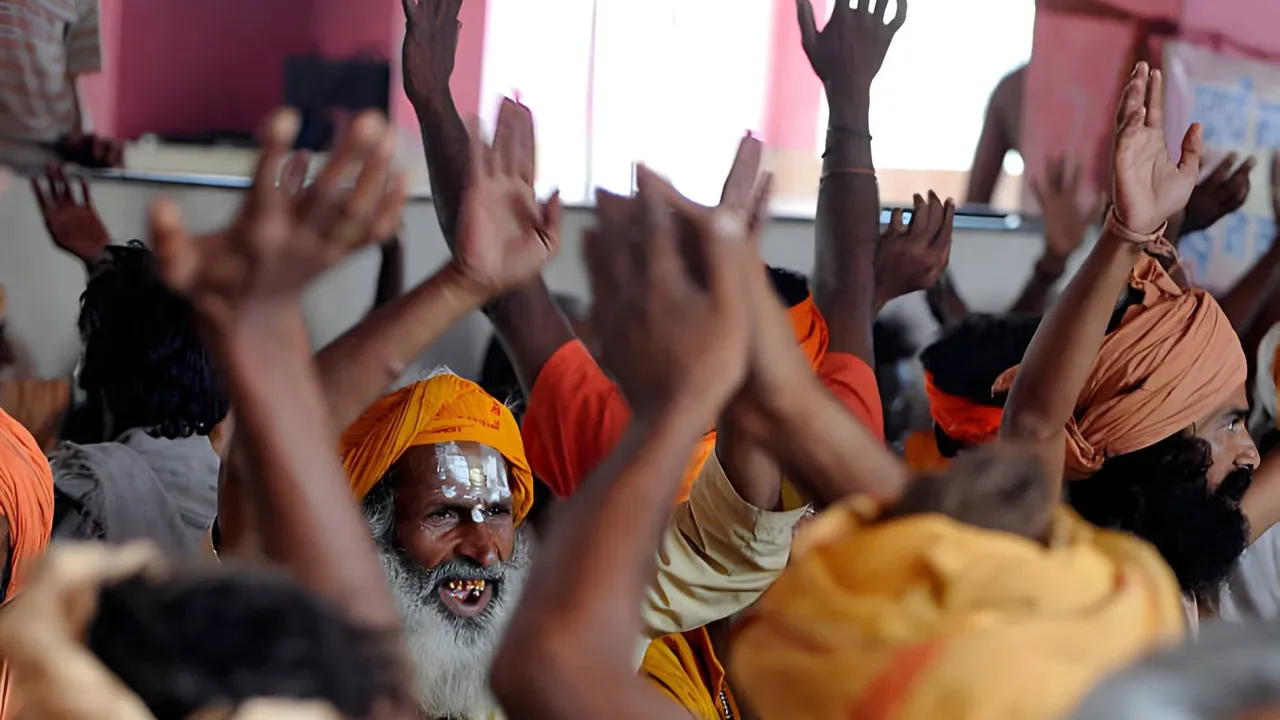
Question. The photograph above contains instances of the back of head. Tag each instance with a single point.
(968, 358)
(971, 354)
(220, 638)
(144, 365)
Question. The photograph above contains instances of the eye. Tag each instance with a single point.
(496, 511)
(443, 516)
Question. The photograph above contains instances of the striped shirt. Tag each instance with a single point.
(44, 45)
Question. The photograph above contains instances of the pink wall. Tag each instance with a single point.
(795, 93)
(187, 65)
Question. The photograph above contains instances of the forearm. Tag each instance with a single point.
(390, 273)
(822, 448)
(579, 616)
(531, 328)
(945, 303)
(847, 227)
(753, 472)
(306, 518)
(357, 367)
(447, 145)
(1061, 355)
(1034, 297)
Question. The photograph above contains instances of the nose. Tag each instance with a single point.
(1248, 454)
(477, 544)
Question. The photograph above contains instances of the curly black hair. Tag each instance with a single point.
(144, 365)
(970, 355)
(1161, 493)
(222, 637)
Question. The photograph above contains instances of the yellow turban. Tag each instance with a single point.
(444, 408)
(925, 617)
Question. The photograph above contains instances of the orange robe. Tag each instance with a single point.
(685, 668)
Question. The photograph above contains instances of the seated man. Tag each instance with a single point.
(26, 515)
(139, 462)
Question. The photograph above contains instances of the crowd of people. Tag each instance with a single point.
(697, 497)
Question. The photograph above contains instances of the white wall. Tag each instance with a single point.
(44, 285)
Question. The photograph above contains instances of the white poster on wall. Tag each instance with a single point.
(1238, 103)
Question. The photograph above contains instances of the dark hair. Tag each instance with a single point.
(1161, 493)
(970, 355)
(143, 360)
(221, 638)
(792, 287)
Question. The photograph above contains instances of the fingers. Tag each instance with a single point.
(479, 149)
(1155, 100)
(1275, 173)
(549, 229)
(513, 140)
(372, 184)
(1036, 192)
(895, 222)
(1132, 100)
(84, 190)
(808, 26)
(1222, 170)
(45, 202)
(408, 7)
(918, 213)
(58, 185)
(882, 7)
(278, 134)
(943, 238)
(760, 208)
(899, 17)
(740, 185)
(176, 254)
(1236, 188)
(1192, 148)
(662, 249)
(934, 218)
(294, 173)
(390, 209)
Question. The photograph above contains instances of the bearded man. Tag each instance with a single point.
(442, 474)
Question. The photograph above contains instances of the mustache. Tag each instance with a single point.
(462, 569)
(1234, 486)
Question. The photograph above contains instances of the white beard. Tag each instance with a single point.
(452, 655)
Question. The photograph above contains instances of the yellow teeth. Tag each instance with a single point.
(467, 586)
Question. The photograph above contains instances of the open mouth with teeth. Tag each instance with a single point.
(467, 598)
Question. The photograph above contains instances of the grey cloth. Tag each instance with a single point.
(138, 487)
(1231, 669)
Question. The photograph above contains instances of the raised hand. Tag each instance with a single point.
(284, 235)
(430, 43)
(1221, 193)
(1148, 185)
(670, 310)
(1065, 222)
(73, 224)
(1275, 185)
(912, 257)
(851, 48)
(504, 237)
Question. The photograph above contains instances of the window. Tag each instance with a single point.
(675, 83)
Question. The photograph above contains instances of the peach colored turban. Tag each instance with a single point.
(1173, 359)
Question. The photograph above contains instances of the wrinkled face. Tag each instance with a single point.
(453, 505)
(1232, 450)
(456, 566)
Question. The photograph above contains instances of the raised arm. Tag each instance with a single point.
(914, 256)
(1221, 193)
(526, 318)
(501, 243)
(846, 55)
(246, 282)
(677, 343)
(1065, 224)
(390, 273)
(1148, 187)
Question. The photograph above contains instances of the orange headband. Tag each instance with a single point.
(962, 419)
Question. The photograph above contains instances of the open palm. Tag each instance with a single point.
(1149, 186)
(504, 236)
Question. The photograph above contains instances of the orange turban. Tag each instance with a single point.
(925, 617)
(26, 497)
(1173, 359)
(962, 419)
(444, 408)
(26, 502)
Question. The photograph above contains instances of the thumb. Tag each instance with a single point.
(1192, 150)
(175, 252)
(808, 26)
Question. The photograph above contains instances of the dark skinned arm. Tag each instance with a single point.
(390, 273)
(1062, 353)
(945, 303)
(988, 159)
(1034, 297)
(577, 621)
